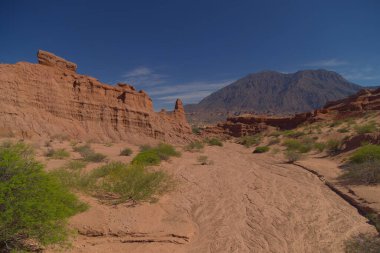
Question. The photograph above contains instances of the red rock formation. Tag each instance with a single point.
(49, 59)
(50, 98)
(365, 100)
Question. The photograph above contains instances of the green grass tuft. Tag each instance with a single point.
(57, 153)
(250, 140)
(194, 146)
(366, 128)
(88, 154)
(214, 142)
(363, 243)
(153, 156)
(126, 152)
(261, 149)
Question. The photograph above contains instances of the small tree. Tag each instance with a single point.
(33, 205)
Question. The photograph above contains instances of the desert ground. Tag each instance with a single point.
(237, 202)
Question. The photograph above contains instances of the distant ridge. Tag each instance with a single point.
(271, 92)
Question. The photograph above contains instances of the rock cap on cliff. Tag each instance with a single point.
(49, 59)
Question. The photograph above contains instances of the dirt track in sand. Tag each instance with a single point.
(244, 202)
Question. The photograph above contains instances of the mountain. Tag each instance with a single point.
(271, 92)
(51, 98)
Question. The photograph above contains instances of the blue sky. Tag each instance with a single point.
(187, 49)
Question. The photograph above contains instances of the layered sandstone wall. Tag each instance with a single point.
(365, 100)
(50, 98)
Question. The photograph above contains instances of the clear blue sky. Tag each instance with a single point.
(186, 49)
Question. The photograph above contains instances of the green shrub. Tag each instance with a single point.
(75, 165)
(83, 150)
(292, 155)
(214, 142)
(33, 204)
(374, 219)
(275, 133)
(196, 130)
(194, 146)
(153, 156)
(363, 243)
(364, 166)
(261, 149)
(362, 173)
(293, 133)
(250, 140)
(126, 152)
(336, 123)
(333, 146)
(343, 130)
(57, 153)
(147, 158)
(94, 157)
(320, 146)
(366, 128)
(88, 154)
(366, 153)
(274, 140)
(302, 146)
(117, 182)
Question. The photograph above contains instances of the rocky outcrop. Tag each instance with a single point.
(252, 124)
(364, 100)
(50, 98)
(49, 59)
(248, 124)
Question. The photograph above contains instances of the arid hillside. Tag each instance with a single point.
(271, 92)
(50, 98)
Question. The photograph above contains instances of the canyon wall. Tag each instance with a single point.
(364, 101)
(50, 98)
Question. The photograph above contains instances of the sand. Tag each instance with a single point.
(243, 202)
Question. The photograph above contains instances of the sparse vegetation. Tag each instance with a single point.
(250, 140)
(33, 204)
(57, 153)
(203, 160)
(364, 166)
(145, 147)
(75, 165)
(274, 140)
(375, 220)
(366, 153)
(293, 155)
(343, 130)
(333, 146)
(293, 133)
(194, 146)
(366, 128)
(214, 142)
(88, 154)
(126, 152)
(363, 243)
(196, 130)
(302, 146)
(108, 144)
(153, 156)
(319, 146)
(261, 149)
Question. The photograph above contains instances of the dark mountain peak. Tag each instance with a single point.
(275, 93)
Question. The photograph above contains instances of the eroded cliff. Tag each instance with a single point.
(50, 98)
